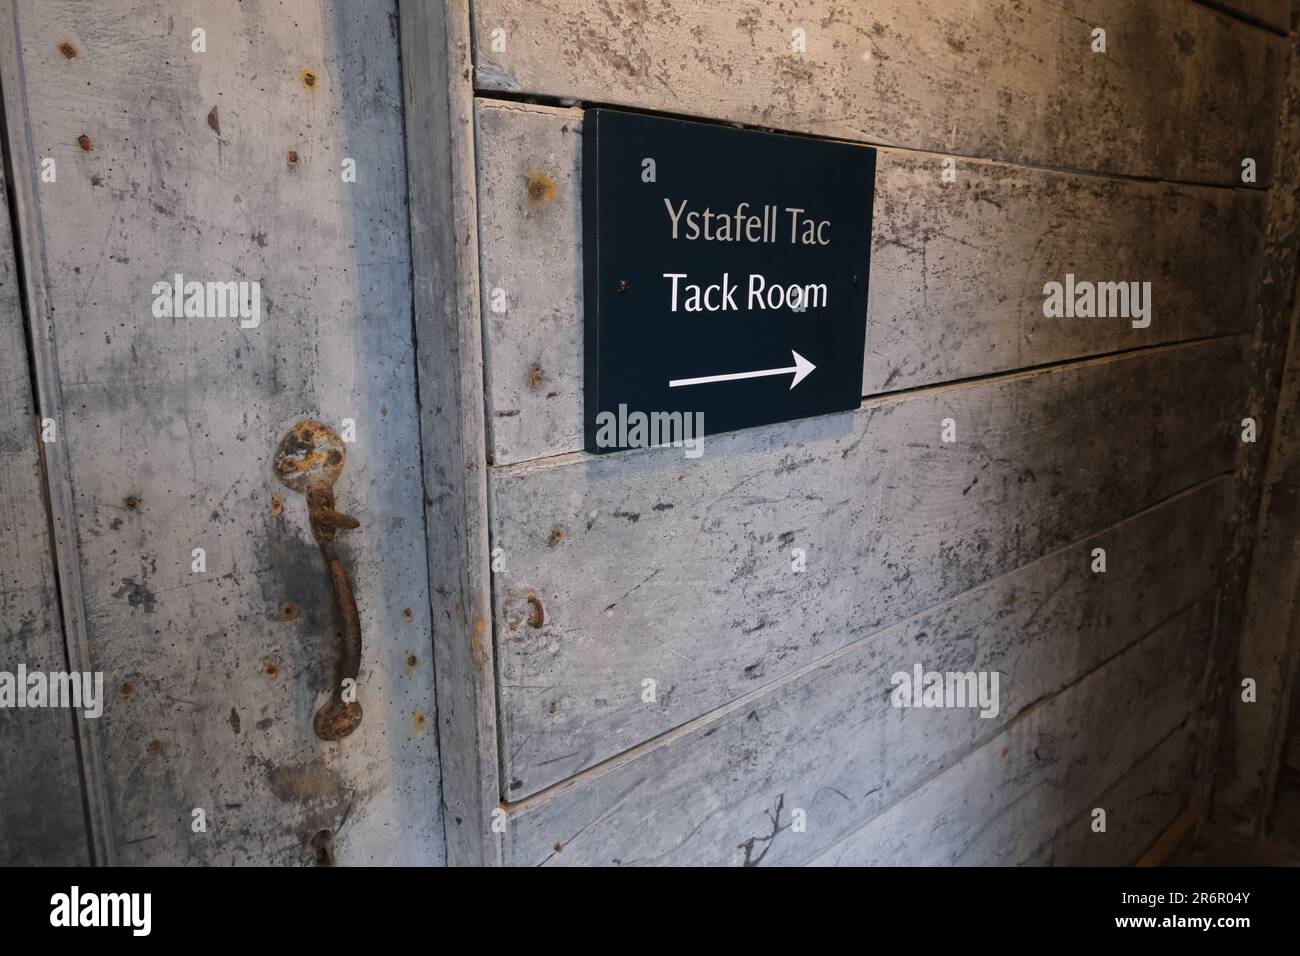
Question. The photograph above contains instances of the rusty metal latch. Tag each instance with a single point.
(309, 460)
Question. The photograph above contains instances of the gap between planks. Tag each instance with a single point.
(508, 99)
(878, 399)
(1241, 16)
(671, 736)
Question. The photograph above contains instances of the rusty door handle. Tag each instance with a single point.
(309, 460)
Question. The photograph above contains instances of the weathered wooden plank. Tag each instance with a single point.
(530, 235)
(1014, 80)
(644, 566)
(996, 805)
(1139, 809)
(440, 170)
(1270, 632)
(41, 817)
(829, 742)
(48, 399)
(957, 269)
(1255, 639)
(225, 166)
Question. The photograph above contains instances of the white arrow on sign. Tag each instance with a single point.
(801, 369)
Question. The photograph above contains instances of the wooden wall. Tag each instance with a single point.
(41, 819)
(221, 165)
(530, 739)
(773, 687)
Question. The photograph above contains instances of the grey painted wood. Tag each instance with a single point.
(997, 804)
(827, 740)
(957, 269)
(648, 566)
(49, 400)
(171, 424)
(1015, 81)
(41, 817)
(440, 164)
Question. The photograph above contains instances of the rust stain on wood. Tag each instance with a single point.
(541, 188)
(478, 649)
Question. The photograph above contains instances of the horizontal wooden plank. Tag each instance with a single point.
(530, 245)
(828, 741)
(957, 270)
(1013, 80)
(42, 822)
(647, 566)
(999, 803)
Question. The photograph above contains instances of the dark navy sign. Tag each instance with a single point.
(725, 273)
